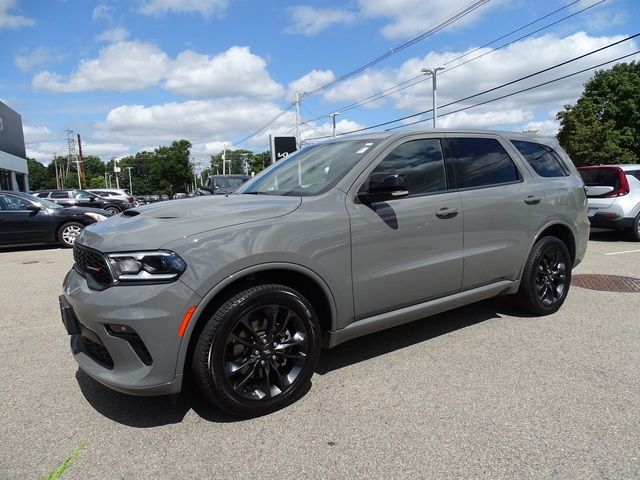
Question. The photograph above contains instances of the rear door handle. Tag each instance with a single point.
(532, 200)
(447, 212)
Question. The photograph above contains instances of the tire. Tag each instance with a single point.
(634, 233)
(112, 210)
(546, 277)
(68, 232)
(257, 353)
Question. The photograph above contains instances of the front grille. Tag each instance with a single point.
(91, 262)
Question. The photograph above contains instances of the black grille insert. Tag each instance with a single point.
(98, 353)
(91, 262)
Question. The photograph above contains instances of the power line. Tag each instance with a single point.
(498, 87)
(421, 78)
(271, 122)
(443, 24)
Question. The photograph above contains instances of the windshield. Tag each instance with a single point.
(228, 183)
(310, 171)
(44, 202)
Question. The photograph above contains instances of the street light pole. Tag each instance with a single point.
(130, 185)
(333, 118)
(434, 74)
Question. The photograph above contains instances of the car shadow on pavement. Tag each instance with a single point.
(147, 412)
(386, 341)
(598, 235)
(29, 248)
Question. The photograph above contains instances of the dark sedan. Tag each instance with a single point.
(25, 219)
(83, 198)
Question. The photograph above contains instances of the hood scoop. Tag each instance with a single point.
(130, 213)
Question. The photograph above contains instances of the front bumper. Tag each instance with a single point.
(153, 312)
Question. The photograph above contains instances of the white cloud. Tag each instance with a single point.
(206, 8)
(310, 21)
(496, 68)
(45, 151)
(234, 72)
(113, 35)
(10, 20)
(310, 81)
(102, 12)
(410, 17)
(35, 133)
(121, 66)
(27, 60)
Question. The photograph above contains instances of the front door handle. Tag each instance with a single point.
(447, 212)
(532, 200)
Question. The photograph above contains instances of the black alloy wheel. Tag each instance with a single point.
(551, 275)
(112, 210)
(257, 353)
(546, 278)
(265, 352)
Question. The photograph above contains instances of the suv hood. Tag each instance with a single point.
(152, 226)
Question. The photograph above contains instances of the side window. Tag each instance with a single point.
(481, 162)
(541, 158)
(59, 195)
(14, 203)
(421, 161)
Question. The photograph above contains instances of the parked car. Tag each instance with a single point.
(164, 197)
(179, 195)
(222, 184)
(613, 193)
(338, 240)
(25, 219)
(82, 198)
(141, 200)
(110, 193)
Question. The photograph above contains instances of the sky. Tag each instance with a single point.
(131, 75)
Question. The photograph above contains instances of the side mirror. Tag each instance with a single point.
(34, 207)
(384, 186)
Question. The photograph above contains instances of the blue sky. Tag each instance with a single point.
(134, 74)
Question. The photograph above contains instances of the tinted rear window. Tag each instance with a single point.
(481, 162)
(601, 177)
(541, 158)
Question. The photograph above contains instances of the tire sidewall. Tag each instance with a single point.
(113, 210)
(222, 392)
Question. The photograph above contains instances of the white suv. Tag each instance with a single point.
(613, 192)
(119, 193)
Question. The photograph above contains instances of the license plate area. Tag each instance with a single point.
(69, 319)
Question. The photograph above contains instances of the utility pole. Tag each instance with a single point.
(333, 118)
(130, 184)
(106, 185)
(71, 154)
(433, 73)
(298, 98)
(224, 156)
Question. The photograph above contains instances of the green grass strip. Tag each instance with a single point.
(64, 466)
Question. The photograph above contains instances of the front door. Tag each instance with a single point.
(407, 250)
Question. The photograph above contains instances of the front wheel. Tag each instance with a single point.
(257, 353)
(546, 277)
(68, 232)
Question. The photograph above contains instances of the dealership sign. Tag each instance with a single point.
(281, 147)
(11, 134)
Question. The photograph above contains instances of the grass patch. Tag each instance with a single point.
(64, 466)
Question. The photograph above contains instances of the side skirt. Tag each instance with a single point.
(416, 312)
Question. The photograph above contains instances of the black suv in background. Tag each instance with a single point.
(82, 198)
(222, 184)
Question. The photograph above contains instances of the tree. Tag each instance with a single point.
(170, 170)
(603, 127)
(257, 161)
(39, 176)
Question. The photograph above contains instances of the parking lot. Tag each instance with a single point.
(479, 392)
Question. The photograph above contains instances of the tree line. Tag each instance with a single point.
(165, 170)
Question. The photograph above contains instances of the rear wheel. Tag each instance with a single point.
(546, 277)
(112, 210)
(68, 232)
(635, 229)
(257, 353)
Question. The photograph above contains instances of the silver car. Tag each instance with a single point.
(336, 241)
(613, 193)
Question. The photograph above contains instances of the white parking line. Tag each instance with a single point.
(620, 253)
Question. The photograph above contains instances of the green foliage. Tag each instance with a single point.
(257, 162)
(39, 177)
(64, 466)
(603, 127)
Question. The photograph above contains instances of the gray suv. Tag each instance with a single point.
(339, 240)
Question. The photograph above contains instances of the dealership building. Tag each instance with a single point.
(13, 158)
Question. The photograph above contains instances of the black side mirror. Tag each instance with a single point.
(384, 186)
(34, 207)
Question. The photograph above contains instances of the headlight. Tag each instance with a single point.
(151, 267)
(96, 216)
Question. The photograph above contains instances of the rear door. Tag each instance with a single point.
(406, 250)
(503, 208)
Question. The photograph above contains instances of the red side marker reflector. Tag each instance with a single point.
(186, 320)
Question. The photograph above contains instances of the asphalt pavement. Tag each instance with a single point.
(480, 392)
